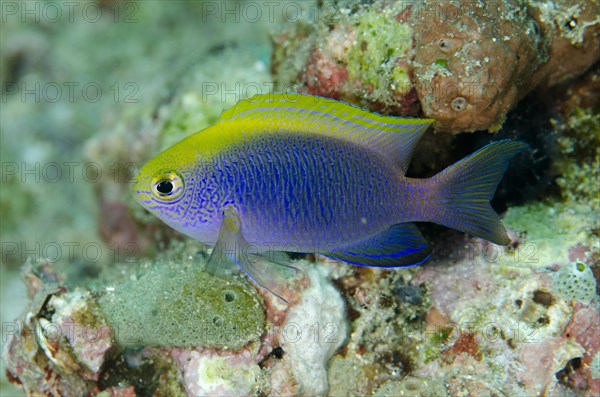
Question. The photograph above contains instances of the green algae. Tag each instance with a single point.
(441, 62)
(173, 305)
(549, 230)
(580, 164)
(433, 346)
(373, 59)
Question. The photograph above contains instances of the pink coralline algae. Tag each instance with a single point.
(463, 63)
(584, 329)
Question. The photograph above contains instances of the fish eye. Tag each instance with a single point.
(164, 187)
(167, 185)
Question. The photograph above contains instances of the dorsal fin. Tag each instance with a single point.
(392, 137)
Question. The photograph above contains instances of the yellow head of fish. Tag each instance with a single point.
(168, 186)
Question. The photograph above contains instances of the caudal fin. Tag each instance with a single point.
(468, 186)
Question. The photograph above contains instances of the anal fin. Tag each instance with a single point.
(399, 246)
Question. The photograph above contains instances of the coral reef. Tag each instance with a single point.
(212, 331)
(362, 58)
(477, 319)
(467, 63)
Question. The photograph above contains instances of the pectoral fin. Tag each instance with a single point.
(232, 248)
(399, 246)
(222, 261)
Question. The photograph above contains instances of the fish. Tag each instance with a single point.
(292, 172)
